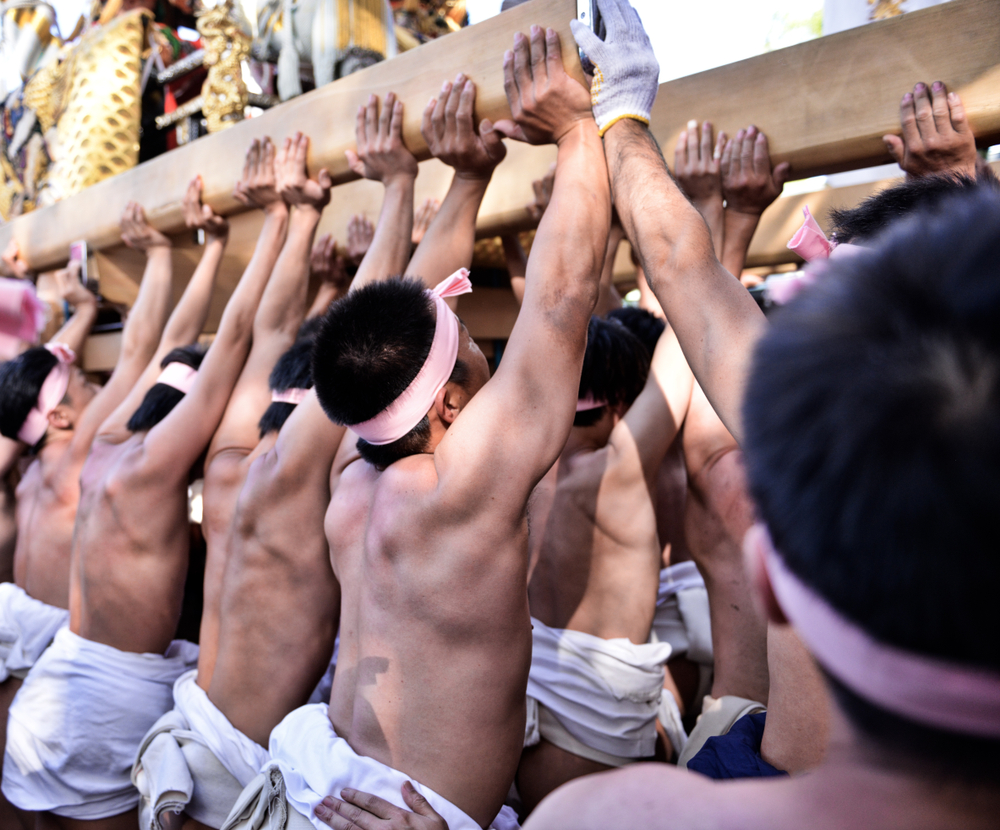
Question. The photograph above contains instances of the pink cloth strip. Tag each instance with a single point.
(49, 396)
(292, 396)
(588, 403)
(404, 413)
(928, 690)
(178, 375)
(811, 244)
(809, 241)
(22, 316)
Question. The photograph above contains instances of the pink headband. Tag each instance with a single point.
(178, 375)
(928, 690)
(49, 396)
(810, 243)
(292, 396)
(588, 403)
(404, 413)
(22, 315)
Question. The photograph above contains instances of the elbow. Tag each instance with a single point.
(674, 252)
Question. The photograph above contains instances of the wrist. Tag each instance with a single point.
(276, 208)
(580, 130)
(159, 250)
(305, 214)
(482, 176)
(397, 181)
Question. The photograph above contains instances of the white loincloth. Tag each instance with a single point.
(193, 760)
(588, 693)
(77, 721)
(682, 618)
(27, 627)
(309, 762)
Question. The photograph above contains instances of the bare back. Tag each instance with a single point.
(435, 639)
(130, 551)
(594, 535)
(278, 602)
(47, 499)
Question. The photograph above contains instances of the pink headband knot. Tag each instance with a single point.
(178, 375)
(810, 243)
(404, 413)
(292, 396)
(49, 396)
(930, 690)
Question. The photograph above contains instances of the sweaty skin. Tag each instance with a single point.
(432, 553)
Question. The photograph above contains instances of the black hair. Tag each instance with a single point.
(370, 346)
(872, 443)
(292, 371)
(21, 380)
(615, 366)
(643, 324)
(875, 213)
(310, 328)
(161, 399)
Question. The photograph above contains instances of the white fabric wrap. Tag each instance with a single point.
(606, 693)
(193, 760)
(27, 627)
(682, 614)
(76, 723)
(309, 761)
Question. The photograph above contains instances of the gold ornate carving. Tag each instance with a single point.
(224, 95)
(98, 131)
(884, 9)
(44, 94)
(361, 24)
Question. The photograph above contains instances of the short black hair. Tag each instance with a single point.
(643, 324)
(21, 380)
(161, 399)
(872, 444)
(292, 371)
(615, 367)
(878, 211)
(370, 346)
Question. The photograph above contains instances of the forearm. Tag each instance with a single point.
(75, 330)
(713, 213)
(448, 243)
(740, 228)
(145, 321)
(390, 248)
(283, 305)
(187, 320)
(609, 298)
(326, 295)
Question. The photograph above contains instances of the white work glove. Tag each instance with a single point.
(626, 72)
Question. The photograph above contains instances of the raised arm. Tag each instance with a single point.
(188, 317)
(283, 305)
(451, 136)
(696, 166)
(643, 436)
(75, 330)
(174, 444)
(517, 262)
(750, 184)
(536, 386)
(328, 266)
(142, 331)
(382, 156)
(716, 320)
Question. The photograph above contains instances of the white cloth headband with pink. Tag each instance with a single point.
(49, 396)
(178, 375)
(404, 413)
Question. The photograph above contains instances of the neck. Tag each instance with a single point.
(56, 441)
(588, 439)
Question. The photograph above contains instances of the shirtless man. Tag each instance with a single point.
(276, 600)
(596, 571)
(429, 543)
(114, 668)
(916, 724)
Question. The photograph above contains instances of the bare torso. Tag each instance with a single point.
(671, 497)
(130, 552)
(47, 500)
(593, 534)
(435, 639)
(279, 602)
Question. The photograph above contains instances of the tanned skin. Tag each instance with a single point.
(431, 553)
(594, 537)
(280, 599)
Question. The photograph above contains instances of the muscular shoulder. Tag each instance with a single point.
(642, 795)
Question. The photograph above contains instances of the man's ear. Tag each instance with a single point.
(61, 417)
(449, 403)
(756, 545)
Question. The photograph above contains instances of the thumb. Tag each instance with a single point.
(324, 179)
(354, 162)
(510, 129)
(416, 802)
(781, 173)
(894, 144)
(492, 140)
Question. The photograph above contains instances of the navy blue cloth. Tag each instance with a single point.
(737, 753)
